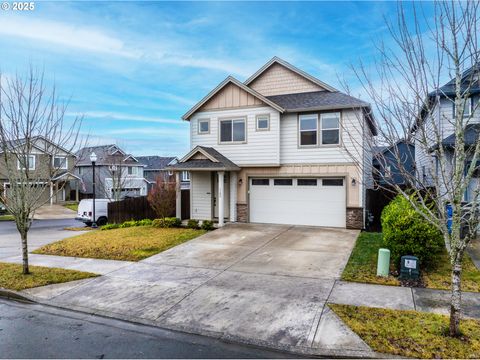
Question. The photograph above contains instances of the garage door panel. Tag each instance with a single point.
(298, 204)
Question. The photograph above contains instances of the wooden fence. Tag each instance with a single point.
(138, 208)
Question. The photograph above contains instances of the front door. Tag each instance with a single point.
(226, 195)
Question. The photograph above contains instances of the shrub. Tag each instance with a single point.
(168, 222)
(406, 232)
(144, 222)
(127, 224)
(207, 225)
(162, 198)
(110, 226)
(192, 224)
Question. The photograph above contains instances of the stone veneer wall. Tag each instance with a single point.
(354, 218)
(242, 213)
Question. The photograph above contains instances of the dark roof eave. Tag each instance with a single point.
(194, 168)
(328, 107)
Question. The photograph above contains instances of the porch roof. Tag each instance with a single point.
(203, 158)
(66, 174)
(471, 136)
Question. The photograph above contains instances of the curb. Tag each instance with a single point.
(15, 295)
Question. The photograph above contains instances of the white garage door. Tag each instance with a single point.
(298, 201)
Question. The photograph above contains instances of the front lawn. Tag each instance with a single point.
(362, 267)
(7, 217)
(11, 276)
(411, 333)
(72, 206)
(131, 244)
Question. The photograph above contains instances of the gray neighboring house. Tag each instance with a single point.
(118, 174)
(155, 166)
(385, 163)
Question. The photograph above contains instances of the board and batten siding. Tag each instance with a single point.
(201, 198)
(261, 148)
(351, 138)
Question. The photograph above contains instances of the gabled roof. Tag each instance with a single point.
(471, 135)
(225, 82)
(153, 163)
(277, 60)
(19, 142)
(213, 160)
(106, 155)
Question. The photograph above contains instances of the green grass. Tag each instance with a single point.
(7, 218)
(11, 276)
(411, 333)
(131, 244)
(362, 267)
(72, 206)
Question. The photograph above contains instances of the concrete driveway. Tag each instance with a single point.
(260, 284)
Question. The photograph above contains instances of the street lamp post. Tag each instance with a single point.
(93, 159)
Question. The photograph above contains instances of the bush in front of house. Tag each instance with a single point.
(126, 224)
(110, 227)
(168, 222)
(207, 225)
(406, 232)
(144, 222)
(192, 224)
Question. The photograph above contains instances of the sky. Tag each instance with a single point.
(132, 69)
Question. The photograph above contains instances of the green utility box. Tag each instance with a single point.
(409, 267)
(383, 264)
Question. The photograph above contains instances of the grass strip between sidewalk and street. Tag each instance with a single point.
(72, 206)
(129, 244)
(411, 333)
(362, 267)
(11, 276)
(7, 217)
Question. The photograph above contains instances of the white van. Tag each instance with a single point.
(85, 211)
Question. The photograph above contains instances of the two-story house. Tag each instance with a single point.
(156, 166)
(435, 128)
(117, 174)
(50, 167)
(282, 147)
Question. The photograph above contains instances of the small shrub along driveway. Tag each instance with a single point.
(130, 244)
(362, 267)
(11, 276)
(411, 333)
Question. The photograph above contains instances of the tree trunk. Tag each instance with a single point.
(23, 236)
(455, 305)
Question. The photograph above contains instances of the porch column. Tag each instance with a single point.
(51, 193)
(178, 193)
(76, 191)
(221, 201)
(233, 196)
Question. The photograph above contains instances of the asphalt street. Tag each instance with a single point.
(37, 331)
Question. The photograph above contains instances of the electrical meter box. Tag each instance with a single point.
(409, 267)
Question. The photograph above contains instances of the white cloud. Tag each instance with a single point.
(125, 117)
(151, 131)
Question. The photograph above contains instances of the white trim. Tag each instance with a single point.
(194, 151)
(199, 129)
(322, 115)
(307, 117)
(232, 119)
(185, 178)
(65, 167)
(29, 168)
(262, 117)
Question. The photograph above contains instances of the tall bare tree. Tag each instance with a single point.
(32, 122)
(405, 85)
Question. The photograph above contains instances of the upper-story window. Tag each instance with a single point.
(308, 127)
(233, 130)
(263, 122)
(467, 110)
(27, 162)
(60, 162)
(330, 128)
(80, 170)
(132, 170)
(204, 126)
(185, 176)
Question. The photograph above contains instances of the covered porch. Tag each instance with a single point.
(65, 187)
(213, 185)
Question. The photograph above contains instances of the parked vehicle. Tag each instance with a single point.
(85, 211)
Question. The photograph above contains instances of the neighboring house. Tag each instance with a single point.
(155, 166)
(282, 147)
(441, 103)
(118, 174)
(50, 166)
(385, 164)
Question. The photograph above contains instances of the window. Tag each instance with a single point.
(132, 170)
(60, 162)
(170, 173)
(307, 182)
(263, 122)
(203, 126)
(467, 110)
(308, 129)
(283, 182)
(388, 171)
(80, 170)
(185, 176)
(263, 182)
(28, 162)
(330, 129)
(232, 130)
(332, 182)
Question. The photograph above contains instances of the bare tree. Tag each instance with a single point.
(405, 87)
(162, 197)
(33, 133)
